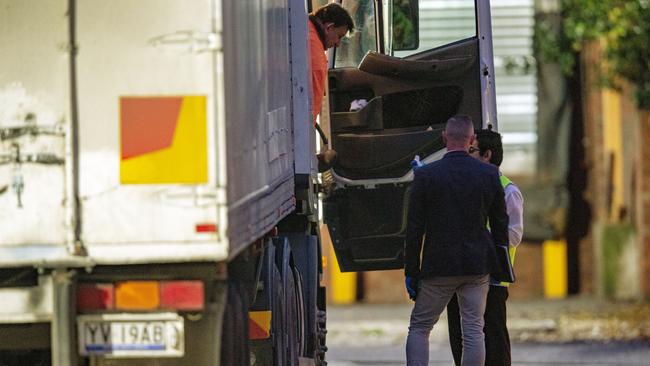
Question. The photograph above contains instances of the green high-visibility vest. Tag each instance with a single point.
(505, 181)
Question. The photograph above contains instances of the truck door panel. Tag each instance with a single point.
(34, 115)
(131, 63)
(409, 101)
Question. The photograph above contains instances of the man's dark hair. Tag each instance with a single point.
(336, 14)
(490, 140)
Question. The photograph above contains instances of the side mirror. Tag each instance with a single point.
(405, 27)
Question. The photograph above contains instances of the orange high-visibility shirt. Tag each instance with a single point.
(318, 70)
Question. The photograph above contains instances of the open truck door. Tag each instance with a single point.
(392, 86)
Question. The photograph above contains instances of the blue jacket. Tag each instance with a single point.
(450, 203)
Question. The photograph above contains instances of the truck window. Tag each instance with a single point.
(363, 39)
(405, 25)
(315, 4)
(443, 22)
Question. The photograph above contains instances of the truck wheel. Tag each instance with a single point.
(234, 335)
(321, 332)
(293, 320)
(277, 320)
(301, 312)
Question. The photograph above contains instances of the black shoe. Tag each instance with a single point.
(326, 160)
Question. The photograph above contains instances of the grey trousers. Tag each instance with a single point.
(433, 296)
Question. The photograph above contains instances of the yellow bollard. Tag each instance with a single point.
(344, 285)
(555, 269)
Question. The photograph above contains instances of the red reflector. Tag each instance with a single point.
(182, 295)
(259, 324)
(206, 228)
(95, 296)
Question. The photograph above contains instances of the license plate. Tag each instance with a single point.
(131, 335)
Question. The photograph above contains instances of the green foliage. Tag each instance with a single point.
(624, 25)
(404, 18)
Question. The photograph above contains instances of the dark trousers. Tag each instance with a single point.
(497, 340)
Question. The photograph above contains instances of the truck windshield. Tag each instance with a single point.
(363, 39)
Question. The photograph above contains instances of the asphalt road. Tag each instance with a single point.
(525, 354)
(570, 332)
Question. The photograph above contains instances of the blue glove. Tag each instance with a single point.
(416, 163)
(411, 287)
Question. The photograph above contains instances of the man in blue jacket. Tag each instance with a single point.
(451, 201)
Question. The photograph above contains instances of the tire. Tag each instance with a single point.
(321, 332)
(292, 320)
(302, 315)
(277, 320)
(234, 335)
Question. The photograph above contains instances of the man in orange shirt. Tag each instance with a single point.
(327, 25)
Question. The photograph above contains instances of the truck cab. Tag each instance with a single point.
(392, 86)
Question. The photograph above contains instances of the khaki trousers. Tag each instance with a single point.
(433, 296)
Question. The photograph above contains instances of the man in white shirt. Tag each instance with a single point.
(488, 148)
